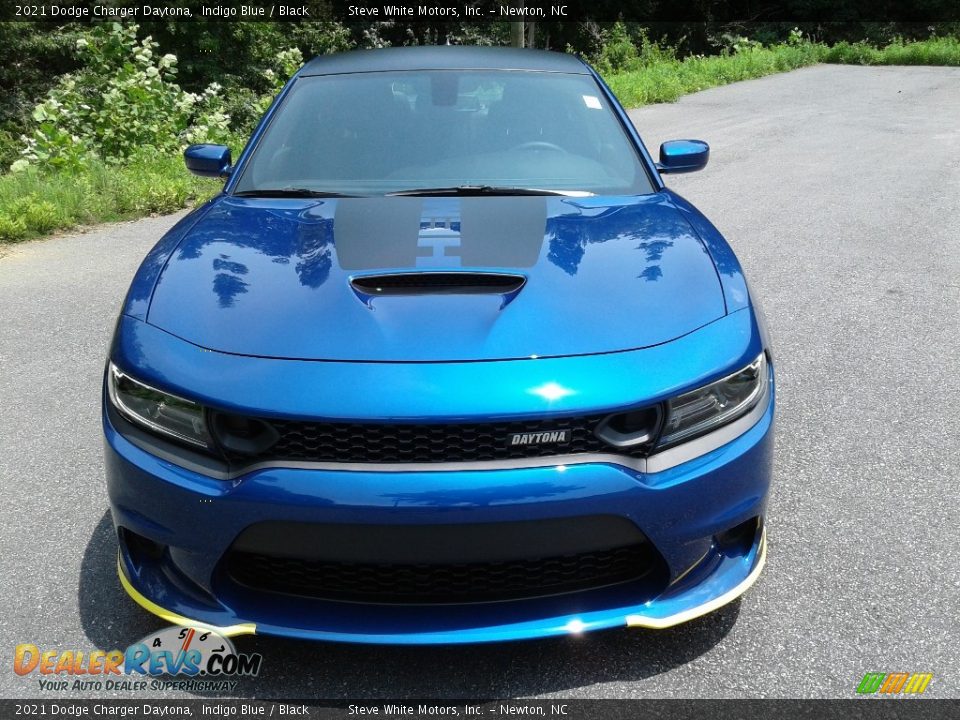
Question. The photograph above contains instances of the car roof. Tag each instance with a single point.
(444, 57)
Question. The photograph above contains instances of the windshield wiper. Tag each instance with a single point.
(485, 190)
(291, 193)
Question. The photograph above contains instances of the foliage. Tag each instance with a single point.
(125, 99)
(617, 52)
(253, 48)
(245, 106)
(935, 51)
(34, 202)
(31, 57)
(250, 47)
(858, 53)
(9, 148)
(738, 44)
(122, 100)
(285, 64)
(104, 143)
(667, 81)
(626, 47)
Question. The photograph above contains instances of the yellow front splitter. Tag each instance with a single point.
(172, 617)
(639, 621)
(707, 607)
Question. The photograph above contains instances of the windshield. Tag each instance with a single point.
(477, 131)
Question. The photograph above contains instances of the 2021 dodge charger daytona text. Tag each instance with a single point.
(444, 362)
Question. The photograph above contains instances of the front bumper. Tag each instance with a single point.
(681, 510)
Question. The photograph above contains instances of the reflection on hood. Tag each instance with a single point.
(273, 277)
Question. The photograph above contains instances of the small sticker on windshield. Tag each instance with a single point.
(591, 101)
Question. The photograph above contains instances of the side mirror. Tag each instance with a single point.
(208, 160)
(683, 156)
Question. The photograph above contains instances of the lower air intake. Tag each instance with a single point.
(442, 583)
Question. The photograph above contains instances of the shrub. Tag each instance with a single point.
(935, 51)
(626, 49)
(33, 202)
(12, 228)
(39, 215)
(9, 148)
(858, 53)
(617, 50)
(123, 100)
(107, 139)
(668, 80)
(285, 64)
(653, 52)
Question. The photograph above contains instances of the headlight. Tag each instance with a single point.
(716, 404)
(159, 411)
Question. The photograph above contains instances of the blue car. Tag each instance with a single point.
(445, 362)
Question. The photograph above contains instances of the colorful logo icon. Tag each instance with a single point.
(894, 683)
(188, 651)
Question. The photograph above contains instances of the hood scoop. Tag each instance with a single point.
(447, 279)
(438, 283)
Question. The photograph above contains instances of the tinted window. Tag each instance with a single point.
(374, 133)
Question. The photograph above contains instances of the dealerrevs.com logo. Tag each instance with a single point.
(201, 657)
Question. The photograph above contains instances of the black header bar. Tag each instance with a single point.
(461, 11)
(556, 709)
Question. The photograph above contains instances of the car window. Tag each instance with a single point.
(375, 133)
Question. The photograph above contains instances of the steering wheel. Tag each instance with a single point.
(538, 145)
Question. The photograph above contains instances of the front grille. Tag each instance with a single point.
(442, 583)
(406, 443)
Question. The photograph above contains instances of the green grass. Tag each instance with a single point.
(34, 203)
(668, 80)
(936, 51)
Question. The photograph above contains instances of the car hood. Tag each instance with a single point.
(285, 278)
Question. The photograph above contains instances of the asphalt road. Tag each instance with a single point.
(839, 188)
